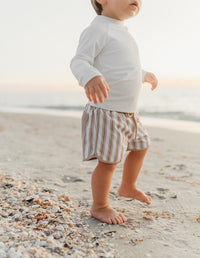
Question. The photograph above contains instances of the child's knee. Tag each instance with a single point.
(110, 166)
(140, 152)
(146, 149)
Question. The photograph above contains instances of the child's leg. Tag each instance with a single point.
(132, 167)
(101, 181)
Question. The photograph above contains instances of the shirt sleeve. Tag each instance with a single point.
(143, 75)
(91, 42)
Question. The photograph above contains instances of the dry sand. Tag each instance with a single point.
(48, 148)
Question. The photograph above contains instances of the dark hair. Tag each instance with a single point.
(97, 7)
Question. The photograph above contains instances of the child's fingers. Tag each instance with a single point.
(87, 92)
(98, 92)
(93, 94)
(154, 85)
(89, 97)
(103, 89)
(106, 85)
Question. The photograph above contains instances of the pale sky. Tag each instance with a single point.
(39, 38)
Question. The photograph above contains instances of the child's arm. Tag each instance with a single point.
(91, 43)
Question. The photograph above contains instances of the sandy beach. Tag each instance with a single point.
(44, 152)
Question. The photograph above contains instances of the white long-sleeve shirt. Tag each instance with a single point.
(107, 48)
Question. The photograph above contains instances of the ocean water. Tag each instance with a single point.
(164, 104)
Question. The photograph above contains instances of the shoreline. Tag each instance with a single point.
(177, 125)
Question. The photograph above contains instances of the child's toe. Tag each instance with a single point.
(109, 221)
(123, 217)
(119, 220)
(114, 221)
(148, 200)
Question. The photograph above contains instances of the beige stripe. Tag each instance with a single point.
(94, 134)
(136, 125)
(91, 133)
(131, 130)
(142, 142)
(139, 140)
(124, 131)
(84, 133)
(97, 128)
(100, 132)
(107, 136)
(117, 151)
(103, 134)
(135, 129)
(115, 137)
(111, 137)
(124, 126)
(127, 134)
(146, 140)
(88, 131)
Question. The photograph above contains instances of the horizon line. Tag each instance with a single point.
(73, 85)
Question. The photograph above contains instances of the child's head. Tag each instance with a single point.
(118, 9)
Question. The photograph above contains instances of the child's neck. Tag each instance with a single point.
(110, 15)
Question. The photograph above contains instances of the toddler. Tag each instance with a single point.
(107, 65)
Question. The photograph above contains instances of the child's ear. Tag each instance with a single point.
(102, 2)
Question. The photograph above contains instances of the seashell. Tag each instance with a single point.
(57, 235)
(35, 206)
(4, 214)
(55, 209)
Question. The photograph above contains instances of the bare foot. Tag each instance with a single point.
(135, 194)
(107, 215)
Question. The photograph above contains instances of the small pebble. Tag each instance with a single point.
(30, 198)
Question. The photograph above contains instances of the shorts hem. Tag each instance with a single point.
(138, 149)
(96, 157)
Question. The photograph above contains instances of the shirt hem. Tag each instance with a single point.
(114, 109)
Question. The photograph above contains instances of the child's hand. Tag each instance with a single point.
(151, 78)
(96, 87)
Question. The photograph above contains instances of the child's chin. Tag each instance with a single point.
(131, 15)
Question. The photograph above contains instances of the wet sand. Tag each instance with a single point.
(45, 151)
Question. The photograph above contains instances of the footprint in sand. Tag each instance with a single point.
(162, 193)
(73, 179)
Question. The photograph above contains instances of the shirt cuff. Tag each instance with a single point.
(143, 75)
(90, 75)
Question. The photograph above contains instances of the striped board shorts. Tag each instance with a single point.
(106, 134)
